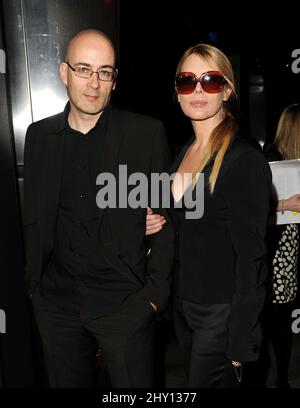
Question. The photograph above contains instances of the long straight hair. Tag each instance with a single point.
(222, 134)
(287, 139)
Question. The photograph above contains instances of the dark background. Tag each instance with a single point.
(154, 35)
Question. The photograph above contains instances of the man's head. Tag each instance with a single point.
(92, 50)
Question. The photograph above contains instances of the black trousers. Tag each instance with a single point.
(276, 322)
(70, 345)
(202, 335)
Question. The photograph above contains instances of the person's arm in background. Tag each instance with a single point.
(291, 203)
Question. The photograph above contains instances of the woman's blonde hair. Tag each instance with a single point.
(287, 139)
(222, 135)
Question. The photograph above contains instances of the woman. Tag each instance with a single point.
(219, 282)
(283, 251)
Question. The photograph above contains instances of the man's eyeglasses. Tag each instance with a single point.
(105, 74)
(211, 82)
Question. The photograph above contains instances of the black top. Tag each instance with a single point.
(222, 255)
(78, 264)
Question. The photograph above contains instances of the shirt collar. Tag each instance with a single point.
(102, 121)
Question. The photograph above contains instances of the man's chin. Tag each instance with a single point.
(94, 111)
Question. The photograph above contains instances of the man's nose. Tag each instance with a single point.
(94, 80)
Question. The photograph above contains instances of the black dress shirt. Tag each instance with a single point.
(78, 266)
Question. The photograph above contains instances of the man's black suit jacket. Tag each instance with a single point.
(131, 139)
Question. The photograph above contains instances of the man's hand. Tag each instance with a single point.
(236, 363)
(154, 307)
(154, 222)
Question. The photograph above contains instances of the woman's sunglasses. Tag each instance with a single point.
(211, 82)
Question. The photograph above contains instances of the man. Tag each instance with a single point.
(89, 273)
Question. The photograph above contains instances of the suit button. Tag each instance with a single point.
(82, 195)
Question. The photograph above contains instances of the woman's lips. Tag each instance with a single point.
(198, 104)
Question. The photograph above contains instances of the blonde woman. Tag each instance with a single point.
(283, 252)
(220, 277)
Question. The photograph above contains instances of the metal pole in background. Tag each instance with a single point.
(16, 368)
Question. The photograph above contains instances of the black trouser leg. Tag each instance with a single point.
(202, 334)
(276, 324)
(282, 339)
(127, 343)
(69, 349)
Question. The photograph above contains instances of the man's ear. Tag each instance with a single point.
(114, 85)
(63, 71)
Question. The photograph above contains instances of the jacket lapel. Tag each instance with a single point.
(111, 146)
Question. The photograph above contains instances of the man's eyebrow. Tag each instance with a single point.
(107, 66)
(85, 64)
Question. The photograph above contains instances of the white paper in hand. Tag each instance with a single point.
(286, 182)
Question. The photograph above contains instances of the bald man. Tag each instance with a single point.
(89, 274)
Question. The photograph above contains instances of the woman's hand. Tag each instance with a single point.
(292, 203)
(154, 222)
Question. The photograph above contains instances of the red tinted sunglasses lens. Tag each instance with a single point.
(212, 83)
(185, 84)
